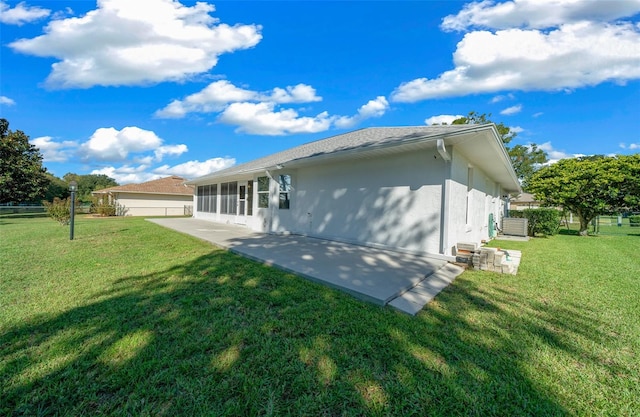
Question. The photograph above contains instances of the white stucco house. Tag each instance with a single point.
(167, 196)
(416, 189)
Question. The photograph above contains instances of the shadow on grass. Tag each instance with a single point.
(4, 217)
(225, 336)
(605, 232)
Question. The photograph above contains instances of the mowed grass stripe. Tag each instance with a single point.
(133, 319)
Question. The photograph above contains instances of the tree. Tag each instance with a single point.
(88, 183)
(474, 118)
(590, 186)
(525, 159)
(56, 188)
(22, 176)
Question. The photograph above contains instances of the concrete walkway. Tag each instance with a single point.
(404, 281)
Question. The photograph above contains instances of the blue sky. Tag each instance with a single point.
(143, 89)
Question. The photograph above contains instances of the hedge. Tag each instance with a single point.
(543, 221)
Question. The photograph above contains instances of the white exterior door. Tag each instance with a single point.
(241, 216)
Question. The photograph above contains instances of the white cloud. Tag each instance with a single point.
(631, 146)
(126, 174)
(556, 155)
(537, 14)
(300, 93)
(538, 114)
(259, 113)
(512, 110)
(138, 150)
(125, 42)
(373, 108)
(500, 98)
(7, 101)
(217, 95)
(173, 150)
(446, 119)
(53, 151)
(570, 53)
(193, 169)
(21, 14)
(61, 14)
(263, 119)
(516, 129)
(110, 144)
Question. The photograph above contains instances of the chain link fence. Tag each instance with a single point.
(614, 225)
(622, 224)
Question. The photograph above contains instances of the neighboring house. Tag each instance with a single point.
(524, 201)
(163, 197)
(416, 189)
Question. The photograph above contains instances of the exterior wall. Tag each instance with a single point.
(414, 202)
(468, 217)
(392, 201)
(138, 204)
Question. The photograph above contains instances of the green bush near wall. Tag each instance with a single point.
(517, 214)
(544, 221)
(634, 221)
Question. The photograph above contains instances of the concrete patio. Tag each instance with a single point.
(406, 282)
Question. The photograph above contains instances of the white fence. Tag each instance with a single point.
(124, 211)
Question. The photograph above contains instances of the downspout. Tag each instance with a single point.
(444, 208)
(269, 223)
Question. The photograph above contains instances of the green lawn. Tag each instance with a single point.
(133, 319)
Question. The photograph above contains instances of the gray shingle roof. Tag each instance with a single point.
(364, 139)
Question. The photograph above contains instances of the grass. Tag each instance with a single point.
(133, 319)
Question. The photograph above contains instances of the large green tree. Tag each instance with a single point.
(525, 159)
(56, 188)
(88, 183)
(22, 176)
(590, 186)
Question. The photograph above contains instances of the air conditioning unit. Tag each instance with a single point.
(512, 226)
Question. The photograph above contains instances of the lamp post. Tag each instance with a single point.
(73, 186)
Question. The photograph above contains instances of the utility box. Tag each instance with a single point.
(512, 226)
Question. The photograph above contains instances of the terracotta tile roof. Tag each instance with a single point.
(168, 185)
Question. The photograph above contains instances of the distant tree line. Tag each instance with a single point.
(23, 179)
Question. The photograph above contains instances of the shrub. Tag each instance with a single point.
(59, 210)
(516, 214)
(101, 206)
(634, 221)
(544, 221)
